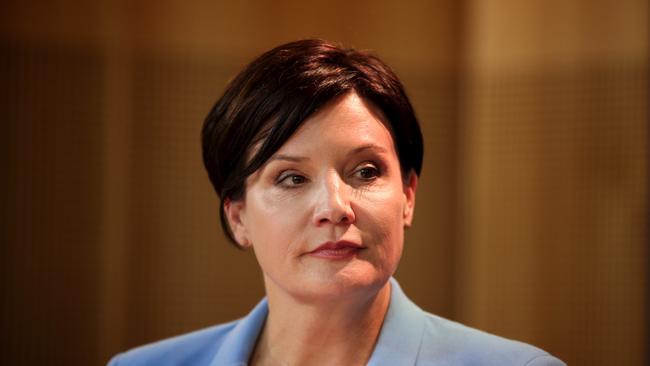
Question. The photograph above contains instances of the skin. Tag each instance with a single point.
(337, 178)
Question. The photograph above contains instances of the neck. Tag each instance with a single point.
(323, 333)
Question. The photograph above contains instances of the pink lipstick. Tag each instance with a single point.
(336, 250)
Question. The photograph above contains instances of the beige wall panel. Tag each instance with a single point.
(503, 35)
(554, 157)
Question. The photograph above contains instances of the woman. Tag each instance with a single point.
(315, 153)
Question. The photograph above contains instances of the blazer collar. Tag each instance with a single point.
(398, 344)
(240, 341)
(402, 332)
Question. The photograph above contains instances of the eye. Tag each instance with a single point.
(291, 180)
(297, 179)
(367, 172)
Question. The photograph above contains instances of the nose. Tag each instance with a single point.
(333, 202)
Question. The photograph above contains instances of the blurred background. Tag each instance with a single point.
(532, 211)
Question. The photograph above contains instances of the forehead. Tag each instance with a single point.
(348, 119)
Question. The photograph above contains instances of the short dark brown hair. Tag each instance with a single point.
(270, 98)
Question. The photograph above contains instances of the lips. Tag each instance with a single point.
(336, 250)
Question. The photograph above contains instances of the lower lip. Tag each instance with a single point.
(340, 253)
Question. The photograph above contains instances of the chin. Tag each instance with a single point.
(346, 284)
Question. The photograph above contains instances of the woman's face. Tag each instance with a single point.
(326, 214)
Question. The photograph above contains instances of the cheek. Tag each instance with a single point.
(383, 221)
(274, 223)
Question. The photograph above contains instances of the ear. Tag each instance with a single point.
(410, 186)
(235, 214)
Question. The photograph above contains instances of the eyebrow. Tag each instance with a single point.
(369, 146)
(297, 159)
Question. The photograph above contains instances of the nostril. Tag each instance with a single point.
(347, 217)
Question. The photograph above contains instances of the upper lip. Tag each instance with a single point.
(332, 245)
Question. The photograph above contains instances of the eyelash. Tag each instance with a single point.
(297, 180)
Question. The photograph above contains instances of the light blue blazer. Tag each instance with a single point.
(409, 336)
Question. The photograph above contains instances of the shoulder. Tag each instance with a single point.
(225, 344)
(195, 348)
(458, 344)
(411, 336)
